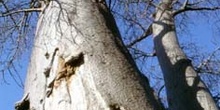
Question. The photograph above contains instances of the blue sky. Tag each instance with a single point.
(11, 92)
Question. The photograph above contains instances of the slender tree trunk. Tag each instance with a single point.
(80, 63)
(185, 90)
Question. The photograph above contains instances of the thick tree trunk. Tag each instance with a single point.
(185, 90)
(79, 62)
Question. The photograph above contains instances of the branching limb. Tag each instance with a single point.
(35, 6)
(185, 4)
(196, 3)
(150, 2)
(21, 10)
(140, 53)
(147, 33)
(7, 11)
(190, 7)
(205, 63)
(129, 20)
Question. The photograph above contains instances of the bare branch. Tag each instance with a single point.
(189, 8)
(22, 10)
(142, 53)
(130, 20)
(196, 3)
(160, 90)
(153, 4)
(206, 62)
(7, 10)
(185, 4)
(147, 33)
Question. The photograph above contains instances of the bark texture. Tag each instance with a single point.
(79, 62)
(185, 90)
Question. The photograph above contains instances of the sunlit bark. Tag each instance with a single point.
(80, 63)
(185, 90)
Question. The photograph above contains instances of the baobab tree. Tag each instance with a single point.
(181, 79)
(79, 61)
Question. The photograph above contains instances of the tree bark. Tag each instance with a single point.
(185, 90)
(80, 63)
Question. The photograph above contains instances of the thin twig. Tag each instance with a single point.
(21, 10)
(147, 33)
(205, 62)
(181, 10)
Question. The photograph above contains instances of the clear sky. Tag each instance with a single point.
(11, 93)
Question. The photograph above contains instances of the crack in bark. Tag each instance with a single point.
(65, 71)
(116, 107)
(47, 69)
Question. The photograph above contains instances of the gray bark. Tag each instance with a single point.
(185, 90)
(79, 62)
